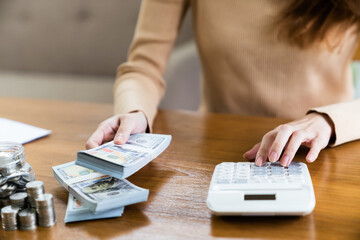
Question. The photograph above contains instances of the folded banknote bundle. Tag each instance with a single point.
(121, 161)
(100, 195)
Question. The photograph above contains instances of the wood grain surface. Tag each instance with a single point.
(179, 178)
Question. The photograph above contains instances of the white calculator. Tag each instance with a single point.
(243, 188)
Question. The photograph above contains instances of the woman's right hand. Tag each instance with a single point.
(119, 128)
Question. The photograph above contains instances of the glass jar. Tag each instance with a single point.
(15, 172)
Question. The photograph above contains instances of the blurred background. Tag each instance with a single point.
(70, 49)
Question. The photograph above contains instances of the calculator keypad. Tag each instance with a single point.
(245, 172)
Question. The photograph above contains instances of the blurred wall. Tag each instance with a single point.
(68, 36)
(67, 49)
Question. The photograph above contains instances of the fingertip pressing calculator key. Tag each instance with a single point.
(243, 188)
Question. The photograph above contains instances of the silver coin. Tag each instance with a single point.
(8, 218)
(35, 185)
(18, 200)
(27, 219)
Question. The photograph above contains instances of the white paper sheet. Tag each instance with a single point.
(20, 132)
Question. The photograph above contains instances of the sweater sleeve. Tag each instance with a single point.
(139, 84)
(346, 119)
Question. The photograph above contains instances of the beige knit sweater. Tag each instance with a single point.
(246, 69)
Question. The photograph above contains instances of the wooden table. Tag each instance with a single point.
(179, 179)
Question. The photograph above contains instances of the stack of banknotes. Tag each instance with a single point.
(75, 212)
(121, 161)
(94, 195)
(98, 188)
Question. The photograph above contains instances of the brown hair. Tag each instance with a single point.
(307, 22)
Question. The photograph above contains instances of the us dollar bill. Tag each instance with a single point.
(106, 192)
(70, 173)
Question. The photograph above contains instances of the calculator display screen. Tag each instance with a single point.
(259, 197)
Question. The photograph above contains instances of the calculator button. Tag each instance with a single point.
(295, 173)
(240, 181)
(241, 177)
(259, 171)
(276, 169)
(259, 176)
(225, 171)
(223, 181)
(243, 165)
(260, 167)
(224, 174)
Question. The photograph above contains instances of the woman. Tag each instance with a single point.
(276, 58)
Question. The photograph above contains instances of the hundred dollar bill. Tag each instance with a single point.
(70, 173)
(106, 192)
(76, 212)
(121, 161)
(97, 191)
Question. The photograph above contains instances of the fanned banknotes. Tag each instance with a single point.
(121, 161)
(97, 191)
(76, 212)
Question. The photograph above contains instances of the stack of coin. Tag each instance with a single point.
(27, 219)
(8, 218)
(35, 189)
(45, 209)
(18, 200)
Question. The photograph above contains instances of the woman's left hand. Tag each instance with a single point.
(313, 131)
